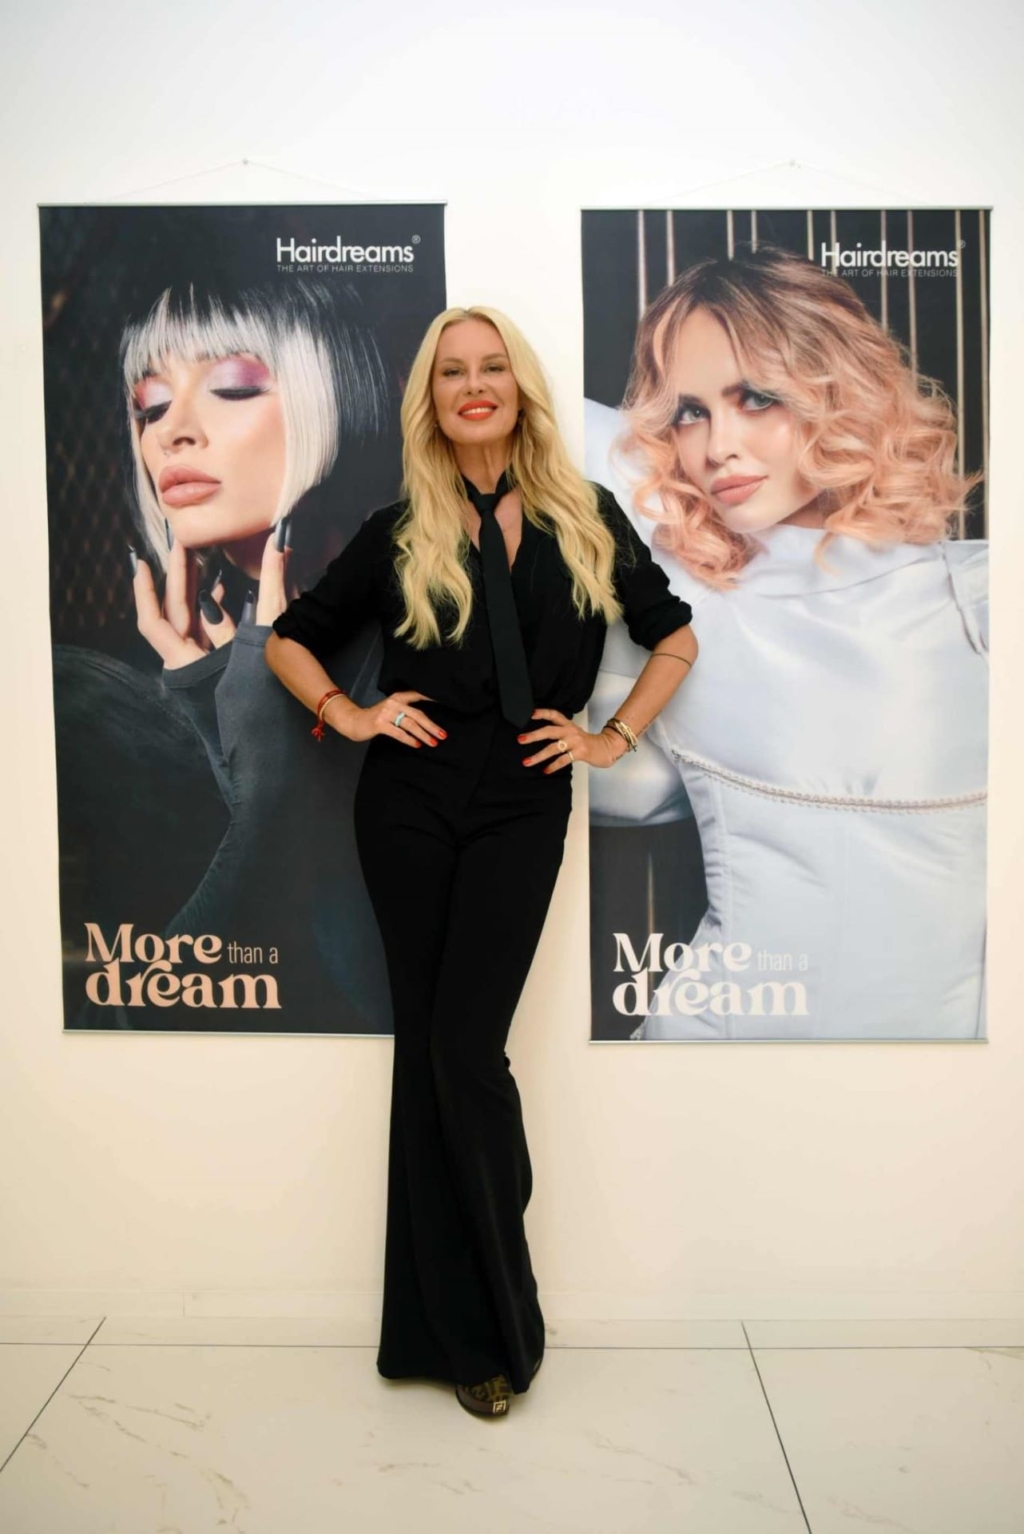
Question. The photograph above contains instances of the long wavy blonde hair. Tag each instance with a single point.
(431, 539)
(878, 443)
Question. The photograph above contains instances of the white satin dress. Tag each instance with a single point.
(832, 743)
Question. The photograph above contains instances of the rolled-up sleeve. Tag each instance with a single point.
(650, 608)
(343, 599)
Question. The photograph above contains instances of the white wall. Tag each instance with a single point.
(248, 1174)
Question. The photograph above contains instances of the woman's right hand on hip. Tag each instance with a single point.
(395, 716)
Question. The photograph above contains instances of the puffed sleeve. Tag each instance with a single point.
(645, 788)
(650, 608)
(343, 599)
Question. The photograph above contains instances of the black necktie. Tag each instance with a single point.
(514, 687)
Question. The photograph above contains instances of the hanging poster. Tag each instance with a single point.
(792, 408)
(222, 388)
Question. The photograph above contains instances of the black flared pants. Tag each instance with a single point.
(460, 846)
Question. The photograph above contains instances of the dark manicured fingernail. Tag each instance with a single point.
(168, 534)
(134, 558)
(215, 577)
(209, 609)
(281, 533)
(249, 606)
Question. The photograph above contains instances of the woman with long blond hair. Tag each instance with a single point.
(798, 482)
(494, 579)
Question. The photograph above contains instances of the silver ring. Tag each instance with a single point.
(399, 717)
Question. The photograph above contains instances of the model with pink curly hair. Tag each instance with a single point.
(799, 483)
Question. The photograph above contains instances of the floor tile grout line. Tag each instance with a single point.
(775, 1425)
(49, 1398)
(22, 1315)
(574, 1347)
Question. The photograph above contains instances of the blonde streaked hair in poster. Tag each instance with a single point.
(329, 373)
(431, 538)
(878, 442)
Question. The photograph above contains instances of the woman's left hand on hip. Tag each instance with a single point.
(561, 743)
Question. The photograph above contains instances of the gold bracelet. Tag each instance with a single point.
(671, 655)
(610, 728)
(623, 729)
(614, 758)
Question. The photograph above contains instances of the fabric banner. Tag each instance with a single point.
(222, 393)
(792, 407)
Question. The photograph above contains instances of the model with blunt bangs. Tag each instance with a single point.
(878, 442)
(325, 362)
(832, 748)
(248, 408)
(494, 578)
(432, 539)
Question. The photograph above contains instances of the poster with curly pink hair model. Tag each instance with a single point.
(792, 408)
(222, 388)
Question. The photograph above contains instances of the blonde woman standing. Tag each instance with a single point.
(494, 580)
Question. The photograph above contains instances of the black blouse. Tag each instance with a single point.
(563, 651)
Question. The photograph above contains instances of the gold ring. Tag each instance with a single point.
(562, 746)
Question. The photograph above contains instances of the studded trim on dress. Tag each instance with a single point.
(827, 801)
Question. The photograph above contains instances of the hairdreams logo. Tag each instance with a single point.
(294, 256)
(886, 259)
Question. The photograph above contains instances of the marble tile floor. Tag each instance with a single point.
(193, 1425)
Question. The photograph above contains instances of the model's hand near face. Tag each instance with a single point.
(273, 597)
(190, 622)
(178, 629)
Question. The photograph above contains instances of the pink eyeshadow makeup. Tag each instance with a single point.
(151, 391)
(239, 373)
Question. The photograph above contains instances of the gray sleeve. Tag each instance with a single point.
(192, 690)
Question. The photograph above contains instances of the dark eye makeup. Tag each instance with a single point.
(149, 414)
(755, 399)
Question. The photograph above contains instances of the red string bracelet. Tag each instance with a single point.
(318, 728)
